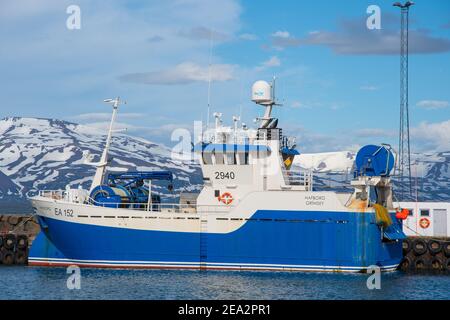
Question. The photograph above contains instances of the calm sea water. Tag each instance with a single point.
(50, 283)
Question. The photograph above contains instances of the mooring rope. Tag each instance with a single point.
(21, 224)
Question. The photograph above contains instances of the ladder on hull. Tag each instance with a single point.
(203, 242)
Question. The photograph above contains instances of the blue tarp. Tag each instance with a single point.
(394, 232)
(290, 151)
(145, 175)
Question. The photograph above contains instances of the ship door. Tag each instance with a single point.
(440, 222)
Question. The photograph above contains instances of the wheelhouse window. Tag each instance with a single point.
(207, 158)
(219, 157)
(243, 158)
(231, 158)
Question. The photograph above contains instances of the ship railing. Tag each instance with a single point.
(240, 137)
(303, 178)
(232, 139)
(53, 194)
(143, 207)
(162, 207)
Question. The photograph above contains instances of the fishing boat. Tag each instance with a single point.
(255, 211)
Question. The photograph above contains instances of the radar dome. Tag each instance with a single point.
(261, 92)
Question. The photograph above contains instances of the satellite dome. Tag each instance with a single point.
(261, 92)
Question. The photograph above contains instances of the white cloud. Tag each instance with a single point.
(375, 133)
(102, 116)
(426, 137)
(115, 39)
(281, 34)
(432, 136)
(311, 141)
(248, 36)
(433, 104)
(353, 39)
(283, 39)
(297, 105)
(160, 133)
(183, 73)
(270, 63)
(203, 33)
(28, 8)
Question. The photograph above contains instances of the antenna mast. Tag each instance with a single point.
(103, 163)
(209, 78)
(404, 156)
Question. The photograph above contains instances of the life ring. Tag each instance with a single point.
(226, 198)
(424, 223)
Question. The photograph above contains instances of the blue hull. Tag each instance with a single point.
(270, 240)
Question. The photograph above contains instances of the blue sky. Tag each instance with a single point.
(338, 81)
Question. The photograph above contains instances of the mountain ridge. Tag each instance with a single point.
(45, 153)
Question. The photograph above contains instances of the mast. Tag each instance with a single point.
(103, 163)
(209, 78)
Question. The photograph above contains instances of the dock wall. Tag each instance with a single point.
(17, 232)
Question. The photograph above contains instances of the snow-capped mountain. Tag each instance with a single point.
(7, 186)
(48, 154)
(38, 154)
(430, 174)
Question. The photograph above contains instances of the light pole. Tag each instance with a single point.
(404, 151)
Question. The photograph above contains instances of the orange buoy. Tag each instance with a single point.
(402, 214)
